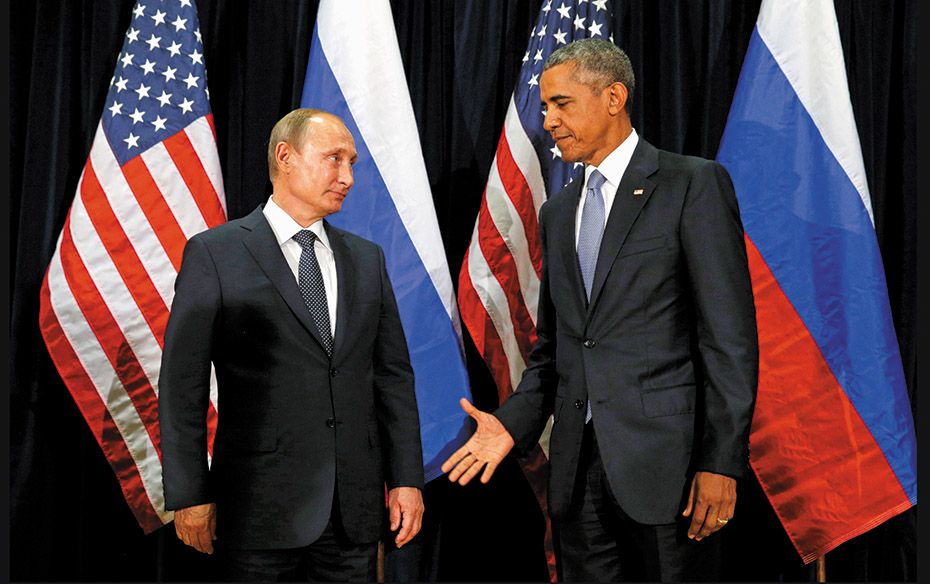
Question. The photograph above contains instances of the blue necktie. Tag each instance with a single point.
(310, 281)
(591, 230)
(589, 239)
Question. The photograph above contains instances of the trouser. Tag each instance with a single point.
(599, 542)
(331, 558)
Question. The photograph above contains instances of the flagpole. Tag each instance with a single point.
(822, 568)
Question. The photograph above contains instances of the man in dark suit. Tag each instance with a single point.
(647, 350)
(315, 390)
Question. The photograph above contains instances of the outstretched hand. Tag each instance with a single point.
(485, 449)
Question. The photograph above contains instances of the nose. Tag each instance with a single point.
(345, 175)
(551, 121)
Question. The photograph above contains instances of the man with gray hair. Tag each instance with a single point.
(647, 355)
(317, 413)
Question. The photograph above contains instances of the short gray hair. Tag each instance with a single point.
(598, 63)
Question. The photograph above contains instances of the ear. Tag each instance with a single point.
(616, 97)
(282, 155)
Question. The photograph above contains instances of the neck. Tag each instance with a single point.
(304, 216)
(617, 135)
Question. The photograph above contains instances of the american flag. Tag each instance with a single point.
(499, 279)
(152, 180)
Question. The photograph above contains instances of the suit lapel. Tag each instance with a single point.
(624, 211)
(263, 245)
(564, 239)
(345, 276)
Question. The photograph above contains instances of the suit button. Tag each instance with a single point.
(333, 372)
(579, 404)
(589, 343)
(331, 422)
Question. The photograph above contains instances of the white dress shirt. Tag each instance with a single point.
(612, 168)
(284, 228)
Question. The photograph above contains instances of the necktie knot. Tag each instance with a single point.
(305, 238)
(596, 180)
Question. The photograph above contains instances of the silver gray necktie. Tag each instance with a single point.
(589, 239)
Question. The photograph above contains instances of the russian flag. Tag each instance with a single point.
(832, 439)
(355, 71)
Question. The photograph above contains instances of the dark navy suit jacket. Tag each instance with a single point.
(295, 427)
(666, 350)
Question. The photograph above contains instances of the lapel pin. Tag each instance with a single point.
(637, 192)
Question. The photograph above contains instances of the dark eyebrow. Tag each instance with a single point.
(554, 98)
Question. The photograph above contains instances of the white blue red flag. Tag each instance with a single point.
(355, 71)
(152, 180)
(832, 439)
(499, 279)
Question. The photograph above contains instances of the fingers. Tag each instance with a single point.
(203, 542)
(471, 472)
(469, 409)
(199, 539)
(690, 506)
(394, 514)
(466, 469)
(707, 520)
(410, 527)
(182, 533)
(709, 526)
(488, 472)
(407, 514)
(456, 457)
(698, 517)
(196, 526)
(711, 503)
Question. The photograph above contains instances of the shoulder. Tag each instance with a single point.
(565, 199)
(229, 231)
(695, 167)
(355, 244)
(672, 161)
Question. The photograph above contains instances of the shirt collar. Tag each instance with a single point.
(284, 226)
(616, 162)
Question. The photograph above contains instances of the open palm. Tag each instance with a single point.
(486, 448)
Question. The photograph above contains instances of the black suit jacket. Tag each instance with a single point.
(666, 350)
(294, 426)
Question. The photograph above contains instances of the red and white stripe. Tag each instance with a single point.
(499, 280)
(105, 299)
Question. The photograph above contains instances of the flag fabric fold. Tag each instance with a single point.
(499, 278)
(151, 181)
(832, 440)
(355, 71)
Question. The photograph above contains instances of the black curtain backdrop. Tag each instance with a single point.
(68, 518)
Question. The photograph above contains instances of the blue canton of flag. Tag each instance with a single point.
(160, 82)
(555, 27)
